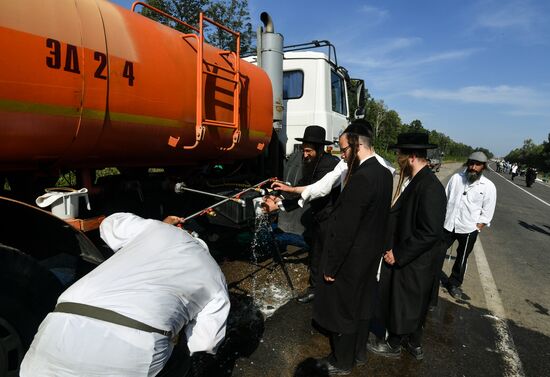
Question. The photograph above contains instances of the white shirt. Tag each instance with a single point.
(332, 179)
(469, 204)
(161, 276)
(514, 168)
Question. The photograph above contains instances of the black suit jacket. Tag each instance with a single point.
(416, 238)
(320, 207)
(353, 247)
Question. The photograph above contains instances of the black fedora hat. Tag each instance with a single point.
(413, 140)
(314, 135)
(360, 127)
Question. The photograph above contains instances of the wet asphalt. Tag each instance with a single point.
(461, 337)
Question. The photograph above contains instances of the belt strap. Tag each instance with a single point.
(107, 316)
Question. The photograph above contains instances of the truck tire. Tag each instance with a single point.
(28, 292)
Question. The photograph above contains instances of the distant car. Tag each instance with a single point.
(434, 159)
(435, 164)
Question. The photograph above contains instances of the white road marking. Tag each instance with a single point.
(505, 343)
(507, 180)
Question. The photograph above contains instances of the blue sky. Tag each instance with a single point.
(476, 70)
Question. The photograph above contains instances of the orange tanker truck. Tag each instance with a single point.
(87, 84)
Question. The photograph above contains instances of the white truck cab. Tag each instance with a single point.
(309, 87)
(314, 93)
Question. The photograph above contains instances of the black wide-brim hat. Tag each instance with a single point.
(314, 135)
(413, 140)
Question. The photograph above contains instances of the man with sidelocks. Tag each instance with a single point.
(414, 243)
(470, 207)
(354, 243)
(315, 164)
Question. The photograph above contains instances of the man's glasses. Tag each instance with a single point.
(345, 149)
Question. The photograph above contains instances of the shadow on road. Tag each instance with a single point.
(534, 228)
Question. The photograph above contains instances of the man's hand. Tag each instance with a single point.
(329, 279)
(173, 220)
(389, 258)
(480, 226)
(270, 203)
(277, 185)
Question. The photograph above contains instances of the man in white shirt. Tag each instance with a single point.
(325, 185)
(514, 171)
(122, 318)
(471, 200)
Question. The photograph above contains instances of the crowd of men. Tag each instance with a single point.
(514, 170)
(381, 255)
(375, 257)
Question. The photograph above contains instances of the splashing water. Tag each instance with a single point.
(263, 243)
(270, 295)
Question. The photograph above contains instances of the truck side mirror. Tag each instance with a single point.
(361, 101)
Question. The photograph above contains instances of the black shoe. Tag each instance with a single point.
(416, 352)
(331, 369)
(306, 297)
(383, 348)
(360, 362)
(454, 291)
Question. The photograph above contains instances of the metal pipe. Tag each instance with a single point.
(202, 212)
(180, 187)
(268, 22)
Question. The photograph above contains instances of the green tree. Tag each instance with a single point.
(545, 155)
(392, 127)
(377, 112)
(233, 14)
(486, 151)
(416, 126)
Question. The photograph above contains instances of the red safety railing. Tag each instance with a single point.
(202, 70)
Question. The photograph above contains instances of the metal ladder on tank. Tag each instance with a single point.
(202, 70)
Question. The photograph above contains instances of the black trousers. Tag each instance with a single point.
(316, 248)
(440, 259)
(465, 246)
(414, 338)
(348, 347)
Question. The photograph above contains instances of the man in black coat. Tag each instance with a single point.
(352, 251)
(315, 164)
(414, 242)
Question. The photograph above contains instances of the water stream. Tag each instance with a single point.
(271, 292)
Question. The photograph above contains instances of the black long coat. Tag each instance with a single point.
(416, 233)
(353, 246)
(320, 207)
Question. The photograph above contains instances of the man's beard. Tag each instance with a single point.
(309, 166)
(473, 175)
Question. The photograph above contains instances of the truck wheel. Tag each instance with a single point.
(28, 292)
(11, 346)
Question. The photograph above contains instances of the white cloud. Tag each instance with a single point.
(378, 58)
(438, 57)
(391, 45)
(521, 20)
(375, 15)
(504, 15)
(518, 96)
